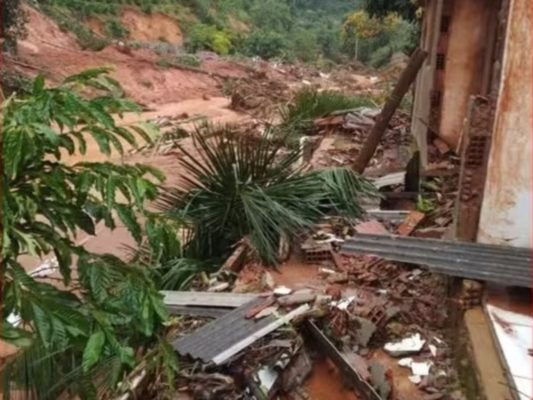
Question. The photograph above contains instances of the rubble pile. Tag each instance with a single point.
(258, 94)
(380, 316)
(350, 128)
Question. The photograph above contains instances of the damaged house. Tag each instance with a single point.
(473, 94)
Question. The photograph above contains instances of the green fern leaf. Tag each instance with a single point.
(93, 350)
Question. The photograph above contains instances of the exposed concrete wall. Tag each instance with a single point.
(463, 73)
(506, 214)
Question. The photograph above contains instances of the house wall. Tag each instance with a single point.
(426, 76)
(506, 214)
(464, 65)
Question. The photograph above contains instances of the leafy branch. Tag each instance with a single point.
(114, 307)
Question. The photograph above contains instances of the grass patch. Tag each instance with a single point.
(69, 23)
(310, 104)
(184, 60)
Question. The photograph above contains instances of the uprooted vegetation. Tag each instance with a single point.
(242, 186)
(309, 104)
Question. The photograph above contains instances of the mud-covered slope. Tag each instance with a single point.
(56, 53)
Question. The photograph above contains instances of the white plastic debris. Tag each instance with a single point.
(416, 379)
(219, 287)
(344, 303)
(433, 350)
(268, 280)
(438, 340)
(282, 291)
(330, 238)
(409, 345)
(405, 362)
(418, 368)
(421, 368)
(328, 271)
(267, 377)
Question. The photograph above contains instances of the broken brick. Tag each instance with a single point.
(335, 291)
(410, 223)
(371, 227)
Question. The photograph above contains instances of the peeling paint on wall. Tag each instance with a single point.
(506, 215)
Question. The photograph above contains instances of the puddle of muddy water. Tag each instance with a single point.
(326, 383)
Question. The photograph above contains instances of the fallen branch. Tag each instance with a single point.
(382, 121)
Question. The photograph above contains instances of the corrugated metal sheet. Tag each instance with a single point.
(212, 339)
(502, 264)
(221, 339)
(198, 311)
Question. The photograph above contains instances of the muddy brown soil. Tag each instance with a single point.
(326, 383)
(56, 54)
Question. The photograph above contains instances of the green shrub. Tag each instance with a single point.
(221, 43)
(309, 104)
(74, 333)
(304, 45)
(164, 63)
(208, 37)
(189, 60)
(265, 44)
(115, 29)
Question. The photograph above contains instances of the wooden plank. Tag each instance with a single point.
(206, 299)
(425, 81)
(407, 77)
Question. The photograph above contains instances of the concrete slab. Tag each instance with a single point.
(488, 364)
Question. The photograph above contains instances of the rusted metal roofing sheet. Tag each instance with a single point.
(502, 264)
(221, 339)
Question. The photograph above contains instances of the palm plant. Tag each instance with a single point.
(237, 186)
(308, 104)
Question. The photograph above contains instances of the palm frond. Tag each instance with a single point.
(237, 185)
